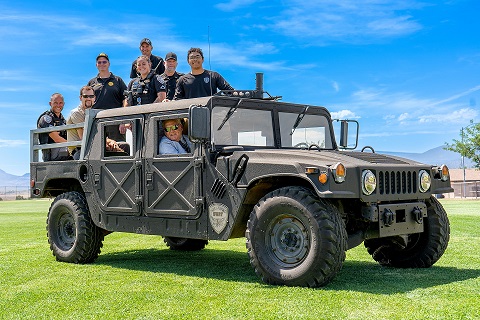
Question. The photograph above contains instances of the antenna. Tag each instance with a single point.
(212, 143)
(209, 61)
(209, 64)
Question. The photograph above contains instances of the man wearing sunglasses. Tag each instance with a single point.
(174, 141)
(77, 115)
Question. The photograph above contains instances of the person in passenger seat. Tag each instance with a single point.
(174, 141)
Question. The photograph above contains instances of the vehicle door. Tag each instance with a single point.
(173, 182)
(116, 173)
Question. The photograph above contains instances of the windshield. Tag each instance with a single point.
(253, 127)
(312, 130)
(247, 127)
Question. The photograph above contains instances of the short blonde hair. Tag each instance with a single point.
(177, 121)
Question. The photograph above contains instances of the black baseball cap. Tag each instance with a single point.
(171, 55)
(103, 55)
(146, 40)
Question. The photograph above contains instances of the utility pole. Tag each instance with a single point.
(463, 167)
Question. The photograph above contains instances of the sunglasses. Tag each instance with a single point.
(88, 95)
(102, 62)
(170, 128)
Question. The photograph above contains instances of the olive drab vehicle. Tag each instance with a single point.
(262, 169)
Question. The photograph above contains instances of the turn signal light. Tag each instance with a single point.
(445, 173)
(339, 172)
(323, 177)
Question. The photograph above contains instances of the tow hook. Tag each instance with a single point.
(417, 215)
(388, 217)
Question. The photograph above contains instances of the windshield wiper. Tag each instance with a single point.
(299, 119)
(227, 116)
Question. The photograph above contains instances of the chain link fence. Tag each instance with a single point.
(14, 192)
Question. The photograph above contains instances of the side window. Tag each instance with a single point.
(173, 136)
(118, 139)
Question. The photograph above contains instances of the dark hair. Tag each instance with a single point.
(86, 87)
(194, 50)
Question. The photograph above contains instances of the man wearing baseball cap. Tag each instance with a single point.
(170, 76)
(146, 50)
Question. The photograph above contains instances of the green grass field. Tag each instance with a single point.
(137, 277)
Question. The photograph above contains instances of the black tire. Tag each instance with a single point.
(72, 235)
(184, 244)
(295, 239)
(423, 249)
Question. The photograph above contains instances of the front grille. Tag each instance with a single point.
(397, 182)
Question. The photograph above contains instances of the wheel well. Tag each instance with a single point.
(55, 187)
(256, 191)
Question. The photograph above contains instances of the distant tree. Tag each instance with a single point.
(469, 144)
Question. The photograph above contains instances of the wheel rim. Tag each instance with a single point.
(289, 241)
(66, 231)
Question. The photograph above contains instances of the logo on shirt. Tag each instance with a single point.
(47, 118)
(110, 83)
(207, 79)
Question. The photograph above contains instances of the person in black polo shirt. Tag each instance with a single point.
(146, 50)
(170, 76)
(50, 118)
(109, 90)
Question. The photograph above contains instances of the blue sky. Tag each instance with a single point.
(408, 71)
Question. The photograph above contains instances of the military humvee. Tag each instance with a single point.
(262, 169)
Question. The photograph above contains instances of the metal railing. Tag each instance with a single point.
(36, 146)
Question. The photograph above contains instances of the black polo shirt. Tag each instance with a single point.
(171, 83)
(108, 92)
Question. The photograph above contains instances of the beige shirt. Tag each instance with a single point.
(77, 115)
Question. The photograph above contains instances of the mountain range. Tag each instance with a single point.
(435, 156)
(10, 180)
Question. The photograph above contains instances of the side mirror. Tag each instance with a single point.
(199, 123)
(344, 134)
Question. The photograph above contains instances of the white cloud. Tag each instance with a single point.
(344, 114)
(403, 117)
(346, 21)
(456, 116)
(234, 4)
(335, 86)
(11, 143)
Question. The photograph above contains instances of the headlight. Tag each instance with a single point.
(369, 182)
(339, 172)
(424, 181)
